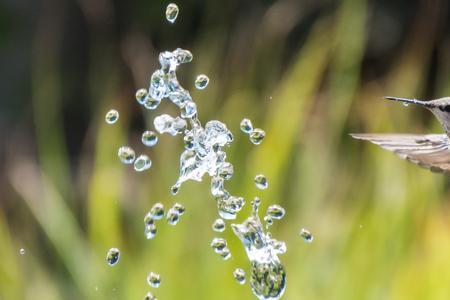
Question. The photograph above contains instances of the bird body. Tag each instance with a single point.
(431, 151)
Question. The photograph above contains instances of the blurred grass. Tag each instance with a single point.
(380, 224)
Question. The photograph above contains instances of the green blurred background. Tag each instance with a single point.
(307, 71)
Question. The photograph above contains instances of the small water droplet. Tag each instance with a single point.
(225, 170)
(261, 182)
(239, 275)
(188, 141)
(189, 110)
(257, 136)
(306, 235)
(218, 225)
(142, 163)
(149, 138)
(126, 155)
(21, 251)
(150, 231)
(151, 103)
(219, 245)
(141, 94)
(226, 254)
(405, 104)
(149, 296)
(175, 189)
(179, 208)
(201, 81)
(269, 221)
(157, 211)
(246, 126)
(154, 280)
(112, 116)
(276, 212)
(173, 217)
(172, 11)
(112, 257)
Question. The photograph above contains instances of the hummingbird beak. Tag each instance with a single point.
(413, 101)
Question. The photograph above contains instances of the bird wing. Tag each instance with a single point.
(430, 151)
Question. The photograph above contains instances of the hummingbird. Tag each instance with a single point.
(431, 151)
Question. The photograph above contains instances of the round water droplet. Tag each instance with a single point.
(246, 126)
(150, 231)
(201, 81)
(257, 136)
(112, 257)
(261, 182)
(276, 212)
(188, 142)
(150, 103)
(218, 245)
(21, 251)
(142, 163)
(218, 225)
(157, 211)
(179, 208)
(112, 116)
(172, 11)
(149, 138)
(126, 155)
(173, 217)
(239, 275)
(306, 235)
(226, 254)
(154, 280)
(141, 94)
(189, 110)
(149, 296)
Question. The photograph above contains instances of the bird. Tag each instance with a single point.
(431, 151)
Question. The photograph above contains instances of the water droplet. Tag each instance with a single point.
(173, 217)
(201, 81)
(246, 126)
(179, 208)
(126, 155)
(150, 103)
(188, 141)
(239, 275)
(261, 182)
(141, 95)
(149, 296)
(166, 124)
(113, 256)
(269, 221)
(189, 110)
(150, 231)
(21, 251)
(218, 245)
(175, 189)
(142, 163)
(306, 235)
(276, 212)
(172, 11)
(226, 254)
(157, 211)
(112, 116)
(229, 206)
(218, 225)
(257, 136)
(225, 170)
(405, 104)
(154, 280)
(149, 138)
(149, 219)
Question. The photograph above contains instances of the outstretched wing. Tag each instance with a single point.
(430, 151)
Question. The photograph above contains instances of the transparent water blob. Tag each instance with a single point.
(261, 182)
(141, 95)
(257, 136)
(154, 280)
(269, 221)
(112, 257)
(172, 11)
(157, 211)
(218, 225)
(173, 217)
(189, 110)
(306, 235)
(149, 138)
(126, 155)
(239, 275)
(201, 81)
(179, 208)
(405, 104)
(149, 296)
(246, 126)
(167, 124)
(219, 245)
(267, 277)
(188, 141)
(112, 116)
(151, 103)
(225, 170)
(21, 251)
(276, 212)
(150, 230)
(225, 254)
(142, 163)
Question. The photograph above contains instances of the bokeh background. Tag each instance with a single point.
(309, 72)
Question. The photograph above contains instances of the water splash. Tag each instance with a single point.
(268, 277)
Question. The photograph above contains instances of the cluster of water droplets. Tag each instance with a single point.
(256, 135)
